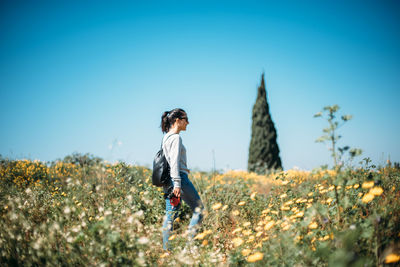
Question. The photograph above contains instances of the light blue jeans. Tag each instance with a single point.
(192, 198)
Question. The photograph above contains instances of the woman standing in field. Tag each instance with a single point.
(172, 123)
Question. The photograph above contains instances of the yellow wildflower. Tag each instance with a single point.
(283, 195)
(239, 229)
(313, 225)
(200, 236)
(356, 186)
(392, 258)
(246, 252)
(269, 225)
(288, 203)
(237, 241)
(204, 243)
(246, 232)
(246, 224)
(172, 237)
(251, 239)
(376, 191)
(367, 198)
(253, 195)
(165, 254)
(241, 203)
(255, 257)
(235, 212)
(207, 232)
(367, 185)
(224, 207)
(267, 218)
(265, 211)
(216, 206)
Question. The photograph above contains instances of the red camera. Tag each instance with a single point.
(175, 201)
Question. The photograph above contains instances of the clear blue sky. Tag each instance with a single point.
(95, 76)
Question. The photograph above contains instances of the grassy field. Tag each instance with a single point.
(84, 211)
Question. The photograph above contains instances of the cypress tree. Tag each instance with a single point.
(263, 150)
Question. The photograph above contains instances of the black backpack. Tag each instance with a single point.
(161, 170)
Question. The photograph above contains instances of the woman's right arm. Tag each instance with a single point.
(174, 155)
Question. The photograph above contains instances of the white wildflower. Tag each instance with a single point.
(76, 229)
(143, 240)
(14, 216)
(37, 244)
(139, 213)
(67, 210)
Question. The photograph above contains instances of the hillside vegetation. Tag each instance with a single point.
(84, 211)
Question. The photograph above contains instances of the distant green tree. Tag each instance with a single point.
(83, 160)
(263, 150)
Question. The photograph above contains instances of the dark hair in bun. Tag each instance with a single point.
(168, 118)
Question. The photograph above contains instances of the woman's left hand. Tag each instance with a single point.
(177, 191)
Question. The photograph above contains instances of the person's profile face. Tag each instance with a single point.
(183, 122)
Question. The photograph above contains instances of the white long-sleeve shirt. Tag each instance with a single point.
(175, 153)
